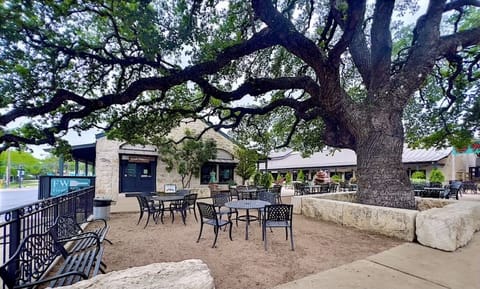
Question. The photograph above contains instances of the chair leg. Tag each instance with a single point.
(172, 214)
(215, 229)
(140, 218)
(184, 216)
(286, 233)
(195, 214)
(200, 234)
(265, 237)
(291, 238)
(148, 220)
(230, 231)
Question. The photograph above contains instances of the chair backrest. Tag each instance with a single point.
(207, 211)
(183, 192)
(233, 193)
(276, 189)
(243, 195)
(66, 227)
(267, 197)
(278, 212)
(219, 200)
(191, 199)
(144, 203)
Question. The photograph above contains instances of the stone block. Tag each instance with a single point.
(326, 210)
(188, 274)
(393, 222)
(450, 227)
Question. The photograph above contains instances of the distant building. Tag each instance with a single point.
(343, 162)
(121, 167)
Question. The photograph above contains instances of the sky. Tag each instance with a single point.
(87, 137)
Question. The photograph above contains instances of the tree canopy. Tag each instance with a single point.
(338, 73)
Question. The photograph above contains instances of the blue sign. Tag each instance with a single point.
(60, 186)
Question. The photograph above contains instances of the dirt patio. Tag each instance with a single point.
(240, 263)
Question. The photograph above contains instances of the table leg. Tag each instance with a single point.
(246, 225)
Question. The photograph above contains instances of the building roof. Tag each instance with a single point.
(289, 159)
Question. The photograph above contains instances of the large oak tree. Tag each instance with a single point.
(139, 67)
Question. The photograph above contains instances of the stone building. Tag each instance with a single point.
(122, 168)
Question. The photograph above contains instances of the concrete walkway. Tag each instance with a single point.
(406, 266)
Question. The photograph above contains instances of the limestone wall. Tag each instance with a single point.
(450, 227)
(107, 165)
(107, 181)
(398, 223)
(438, 223)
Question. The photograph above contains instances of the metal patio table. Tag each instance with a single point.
(247, 205)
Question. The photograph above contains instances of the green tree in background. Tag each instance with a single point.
(188, 156)
(247, 163)
(288, 178)
(300, 176)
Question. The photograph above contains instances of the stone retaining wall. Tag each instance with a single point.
(398, 223)
(438, 223)
(450, 227)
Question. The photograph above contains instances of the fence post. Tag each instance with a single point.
(15, 239)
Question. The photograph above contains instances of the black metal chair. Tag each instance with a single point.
(233, 193)
(278, 216)
(209, 216)
(219, 201)
(267, 197)
(192, 201)
(148, 206)
(277, 189)
(181, 207)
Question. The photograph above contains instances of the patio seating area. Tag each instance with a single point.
(240, 263)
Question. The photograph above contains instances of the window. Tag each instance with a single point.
(222, 173)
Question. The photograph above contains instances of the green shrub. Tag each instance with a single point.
(300, 176)
(288, 178)
(418, 175)
(436, 176)
(267, 180)
(336, 178)
(257, 178)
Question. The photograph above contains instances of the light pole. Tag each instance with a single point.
(7, 170)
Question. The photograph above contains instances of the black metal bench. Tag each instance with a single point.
(31, 264)
(66, 228)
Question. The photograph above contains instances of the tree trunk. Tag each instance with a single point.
(382, 179)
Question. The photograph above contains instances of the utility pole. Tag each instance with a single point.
(7, 172)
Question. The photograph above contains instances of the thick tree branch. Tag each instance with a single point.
(353, 24)
(422, 54)
(381, 43)
(263, 39)
(289, 37)
(459, 4)
(458, 41)
(259, 86)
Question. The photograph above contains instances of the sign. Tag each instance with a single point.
(60, 186)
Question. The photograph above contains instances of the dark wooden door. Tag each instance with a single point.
(137, 177)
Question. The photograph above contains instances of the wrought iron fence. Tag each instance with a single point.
(17, 223)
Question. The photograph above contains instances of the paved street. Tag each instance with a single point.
(15, 197)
